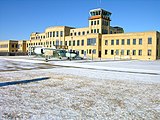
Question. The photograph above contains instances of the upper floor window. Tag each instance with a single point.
(61, 33)
(83, 33)
(94, 22)
(87, 32)
(71, 34)
(91, 41)
(12, 45)
(73, 42)
(82, 43)
(112, 42)
(77, 42)
(140, 41)
(53, 34)
(50, 34)
(91, 22)
(134, 41)
(117, 42)
(75, 33)
(128, 41)
(97, 22)
(94, 30)
(123, 42)
(69, 43)
(106, 42)
(149, 40)
(57, 33)
(79, 33)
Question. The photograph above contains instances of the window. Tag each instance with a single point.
(69, 43)
(149, 52)
(61, 42)
(94, 51)
(122, 42)
(97, 30)
(73, 42)
(50, 34)
(17, 46)
(106, 42)
(53, 34)
(82, 42)
(61, 33)
(57, 42)
(57, 33)
(112, 52)
(91, 41)
(140, 52)
(66, 43)
(53, 42)
(111, 32)
(89, 51)
(91, 31)
(140, 41)
(117, 52)
(83, 33)
(77, 42)
(97, 22)
(82, 51)
(106, 52)
(112, 42)
(94, 30)
(71, 34)
(87, 32)
(128, 41)
(128, 52)
(12, 45)
(91, 22)
(117, 42)
(75, 33)
(94, 22)
(134, 52)
(149, 40)
(122, 52)
(134, 41)
(79, 33)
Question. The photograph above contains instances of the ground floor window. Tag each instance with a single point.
(106, 52)
(112, 52)
(134, 52)
(149, 52)
(140, 52)
(128, 52)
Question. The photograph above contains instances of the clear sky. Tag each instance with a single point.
(18, 18)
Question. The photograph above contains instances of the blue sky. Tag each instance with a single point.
(18, 18)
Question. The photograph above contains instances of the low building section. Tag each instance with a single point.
(13, 47)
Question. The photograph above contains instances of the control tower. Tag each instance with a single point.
(99, 21)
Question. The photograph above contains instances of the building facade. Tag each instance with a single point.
(100, 39)
(12, 47)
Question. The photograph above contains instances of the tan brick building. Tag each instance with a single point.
(12, 47)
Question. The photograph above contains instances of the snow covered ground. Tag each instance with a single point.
(79, 90)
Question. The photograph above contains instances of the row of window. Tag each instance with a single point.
(49, 34)
(127, 52)
(4, 46)
(96, 22)
(79, 33)
(134, 42)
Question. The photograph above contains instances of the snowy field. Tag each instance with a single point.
(76, 90)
